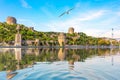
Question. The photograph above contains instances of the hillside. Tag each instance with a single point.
(7, 34)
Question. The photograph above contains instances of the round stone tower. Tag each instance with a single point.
(71, 30)
(11, 20)
(62, 39)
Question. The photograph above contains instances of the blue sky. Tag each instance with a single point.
(93, 17)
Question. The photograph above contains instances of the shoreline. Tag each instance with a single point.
(67, 46)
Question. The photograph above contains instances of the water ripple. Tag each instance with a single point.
(63, 72)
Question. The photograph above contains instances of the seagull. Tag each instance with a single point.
(66, 12)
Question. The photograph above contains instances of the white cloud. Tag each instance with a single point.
(91, 15)
(28, 22)
(101, 33)
(93, 23)
(83, 23)
(93, 32)
(116, 34)
(25, 4)
(75, 21)
(118, 13)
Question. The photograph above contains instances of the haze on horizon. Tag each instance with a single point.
(93, 17)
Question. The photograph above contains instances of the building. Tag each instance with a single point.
(31, 28)
(18, 37)
(62, 39)
(71, 30)
(11, 20)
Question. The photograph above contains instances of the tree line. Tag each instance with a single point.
(7, 34)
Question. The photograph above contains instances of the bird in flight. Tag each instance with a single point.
(66, 12)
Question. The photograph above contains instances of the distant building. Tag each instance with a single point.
(71, 30)
(11, 20)
(31, 28)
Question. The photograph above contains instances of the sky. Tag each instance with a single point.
(93, 17)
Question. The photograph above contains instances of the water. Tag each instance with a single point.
(59, 64)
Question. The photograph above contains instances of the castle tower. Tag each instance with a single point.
(11, 20)
(71, 30)
(18, 39)
(31, 28)
(62, 39)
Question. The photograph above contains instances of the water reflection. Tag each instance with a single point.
(71, 64)
(18, 54)
(112, 58)
(16, 59)
(61, 54)
(11, 74)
